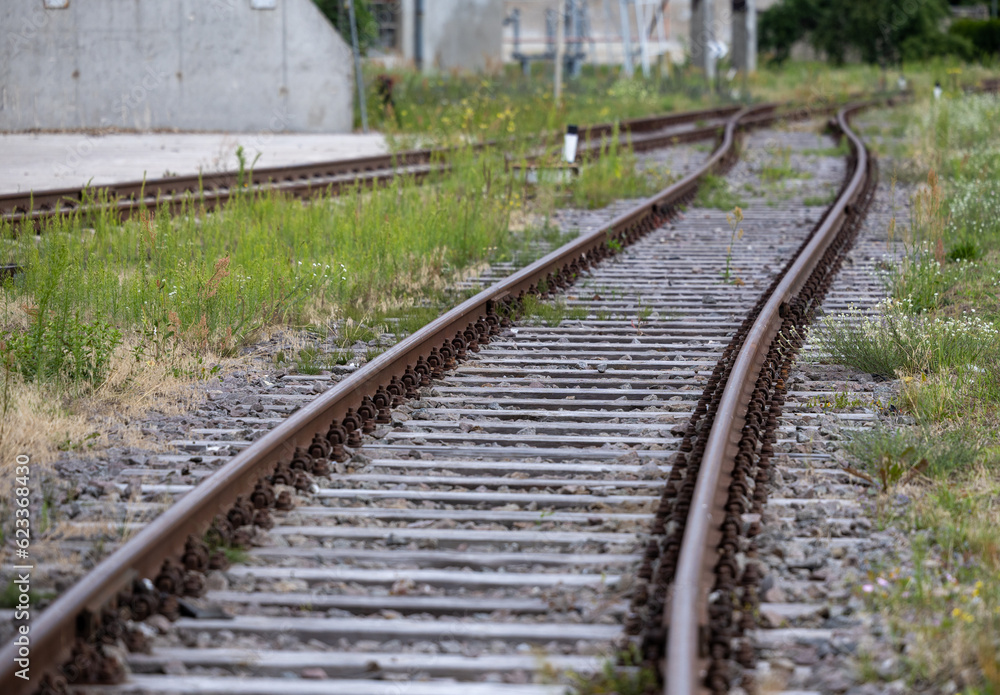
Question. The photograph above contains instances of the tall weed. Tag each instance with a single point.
(896, 341)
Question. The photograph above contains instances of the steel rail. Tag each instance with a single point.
(75, 612)
(54, 632)
(300, 179)
(688, 615)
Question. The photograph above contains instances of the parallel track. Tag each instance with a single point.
(555, 400)
(322, 178)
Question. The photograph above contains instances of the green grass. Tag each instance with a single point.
(626, 674)
(820, 201)
(937, 481)
(716, 192)
(550, 312)
(507, 104)
(779, 166)
(212, 281)
(842, 149)
(10, 596)
(897, 342)
(614, 175)
(890, 456)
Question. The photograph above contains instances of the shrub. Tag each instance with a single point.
(983, 36)
(61, 348)
(895, 341)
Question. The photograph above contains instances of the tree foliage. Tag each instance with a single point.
(876, 31)
(984, 35)
(337, 12)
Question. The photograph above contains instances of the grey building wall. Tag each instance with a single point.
(456, 34)
(605, 44)
(177, 64)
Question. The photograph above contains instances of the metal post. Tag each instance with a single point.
(560, 36)
(418, 35)
(744, 44)
(362, 102)
(574, 37)
(661, 42)
(640, 22)
(626, 37)
(702, 38)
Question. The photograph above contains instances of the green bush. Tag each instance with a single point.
(934, 44)
(337, 12)
(61, 348)
(983, 36)
(881, 31)
(895, 341)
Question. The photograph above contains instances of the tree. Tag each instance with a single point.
(880, 31)
(336, 11)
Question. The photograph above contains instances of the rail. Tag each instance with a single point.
(688, 620)
(304, 180)
(349, 405)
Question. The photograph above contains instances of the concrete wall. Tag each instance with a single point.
(462, 35)
(173, 64)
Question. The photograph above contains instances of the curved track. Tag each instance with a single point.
(519, 466)
(730, 445)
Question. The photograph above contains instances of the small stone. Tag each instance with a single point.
(175, 668)
(649, 471)
(835, 681)
(160, 623)
(290, 586)
(216, 581)
(629, 459)
(315, 674)
(772, 619)
(774, 595)
(887, 668)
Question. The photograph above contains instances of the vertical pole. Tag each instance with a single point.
(418, 35)
(640, 22)
(626, 37)
(574, 37)
(560, 36)
(701, 37)
(359, 78)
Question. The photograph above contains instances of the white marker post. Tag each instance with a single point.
(570, 142)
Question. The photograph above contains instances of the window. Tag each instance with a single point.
(387, 16)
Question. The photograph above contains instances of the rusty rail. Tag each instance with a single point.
(305, 180)
(77, 612)
(53, 634)
(688, 620)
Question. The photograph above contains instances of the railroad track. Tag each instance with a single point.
(323, 178)
(504, 503)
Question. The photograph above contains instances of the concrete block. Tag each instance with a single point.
(216, 65)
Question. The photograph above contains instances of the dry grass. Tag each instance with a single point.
(33, 422)
(133, 388)
(39, 419)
